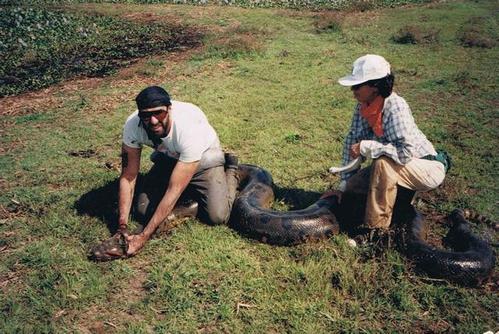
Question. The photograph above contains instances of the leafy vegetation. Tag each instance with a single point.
(267, 81)
(41, 47)
(298, 4)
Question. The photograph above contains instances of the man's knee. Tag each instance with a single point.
(218, 214)
(145, 204)
(142, 203)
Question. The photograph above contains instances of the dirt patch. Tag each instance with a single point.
(449, 191)
(237, 39)
(41, 100)
(361, 19)
(153, 18)
(234, 44)
(28, 103)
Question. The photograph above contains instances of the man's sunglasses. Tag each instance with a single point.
(146, 115)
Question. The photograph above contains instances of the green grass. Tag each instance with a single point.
(266, 78)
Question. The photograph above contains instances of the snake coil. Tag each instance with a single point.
(470, 262)
(251, 214)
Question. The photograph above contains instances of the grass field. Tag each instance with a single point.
(266, 79)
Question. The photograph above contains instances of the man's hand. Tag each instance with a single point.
(331, 193)
(135, 243)
(355, 150)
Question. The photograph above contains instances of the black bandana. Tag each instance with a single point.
(152, 97)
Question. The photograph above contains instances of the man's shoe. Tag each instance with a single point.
(180, 213)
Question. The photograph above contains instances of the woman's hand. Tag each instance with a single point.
(355, 150)
(135, 243)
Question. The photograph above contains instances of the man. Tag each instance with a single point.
(383, 129)
(187, 156)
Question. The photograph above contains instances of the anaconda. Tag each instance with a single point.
(251, 214)
(470, 262)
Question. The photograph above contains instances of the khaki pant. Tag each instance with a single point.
(379, 181)
(213, 188)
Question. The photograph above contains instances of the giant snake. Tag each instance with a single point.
(470, 262)
(251, 213)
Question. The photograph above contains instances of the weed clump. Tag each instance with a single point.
(474, 39)
(235, 46)
(479, 32)
(235, 43)
(293, 138)
(416, 35)
(328, 22)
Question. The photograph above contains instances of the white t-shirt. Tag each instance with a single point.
(191, 137)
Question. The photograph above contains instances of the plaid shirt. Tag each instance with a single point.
(401, 139)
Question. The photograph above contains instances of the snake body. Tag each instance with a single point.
(470, 262)
(251, 214)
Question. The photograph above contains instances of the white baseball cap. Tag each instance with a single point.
(365, 68)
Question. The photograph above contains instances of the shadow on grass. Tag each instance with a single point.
(297, 199)
(349, 214)
(102, 203)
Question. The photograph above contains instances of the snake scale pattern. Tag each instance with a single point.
(252, 216)
(471, 261)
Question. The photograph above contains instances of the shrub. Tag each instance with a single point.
(478, 32)
(416, 35)
(328, 22)
(475, 39)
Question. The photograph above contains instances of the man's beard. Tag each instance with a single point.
(158, 130)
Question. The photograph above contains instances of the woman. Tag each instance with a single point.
(384, 130)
